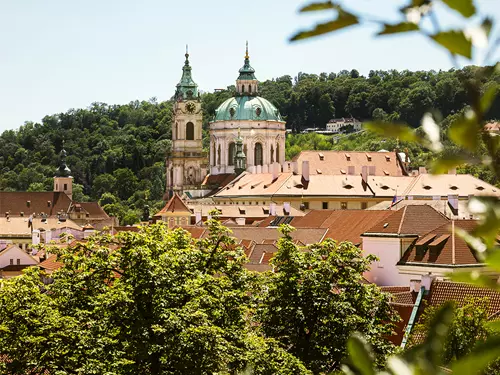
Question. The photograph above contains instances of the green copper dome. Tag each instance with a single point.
(247, 108)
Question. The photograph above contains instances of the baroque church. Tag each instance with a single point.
(247, 133)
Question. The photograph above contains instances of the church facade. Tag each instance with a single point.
(253, 118)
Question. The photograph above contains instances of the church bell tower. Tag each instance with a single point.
(187, 164)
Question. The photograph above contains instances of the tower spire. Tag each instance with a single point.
(186, 88)
(246, 54)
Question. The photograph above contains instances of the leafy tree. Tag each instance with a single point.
(317, 299)
(36, 186)
(466, 329)
(153, 302)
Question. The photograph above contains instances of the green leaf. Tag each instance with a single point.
(443, 164)
(479, 359)
(434, 343)
(402, 27)
(454, 41)
(465, 7)
(475, 278)
(344, 20)
(433, 132)
(318, 6)
(464, 132)
(394, 130)
(494, 325)
(359, 354)
(488, 97)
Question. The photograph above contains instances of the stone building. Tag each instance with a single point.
(259, 122)
(187, 165)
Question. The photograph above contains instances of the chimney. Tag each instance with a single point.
(48, 236)
(364, 173)
(274, 169)
(422, 170)
(272, 209)
(286, 208)
(197, 216)
(240, 220)
(415, 285)
(426, 282)
(305, 170)
(295, 167)
(35, 237)
(286, 167)
(452, 171)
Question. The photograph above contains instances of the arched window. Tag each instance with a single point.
(213, 152)
(176, 135)
(242, 88)
(190, 131)
(250, 89)
(272, 154)
(230, 153)
(257, 153)
(277, 152)
(245, 149)
(218, 155)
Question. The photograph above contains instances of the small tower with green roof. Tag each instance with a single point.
(63, 182)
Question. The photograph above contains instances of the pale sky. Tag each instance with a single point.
(60, 54)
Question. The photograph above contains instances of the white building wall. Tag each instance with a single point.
(385, 272)
(15, 253)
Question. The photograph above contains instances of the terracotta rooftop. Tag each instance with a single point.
(409, 220)
(442, 246)
(339, 162)
(92, 208)
(439, 205)
(175, 204)
(29, 203)
(343, 225)
(239, 210)
(270, 235)
(443, 291)
(51, 263)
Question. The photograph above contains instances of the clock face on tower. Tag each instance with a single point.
(190, 107)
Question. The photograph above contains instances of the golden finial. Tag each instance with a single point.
(246, 55)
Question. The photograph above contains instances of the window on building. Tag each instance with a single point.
(258, 160)
(190, 131)
(306, 205)
(250, 89)
(277, 152)
(243, 88)
(364, 205)
(11, 261)
(18, 261)
(325, 205)
(218, 155)
(65, 186)
(343, 205)
(230, 153)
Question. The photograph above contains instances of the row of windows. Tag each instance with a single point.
(12, 262)
(258, 154)
(324, 205)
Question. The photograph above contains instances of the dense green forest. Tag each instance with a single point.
(116, 152)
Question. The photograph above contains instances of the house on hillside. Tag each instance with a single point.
(13, 260)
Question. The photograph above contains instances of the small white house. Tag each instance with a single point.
(13, 260)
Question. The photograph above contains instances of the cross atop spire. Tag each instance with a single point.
(246, 54)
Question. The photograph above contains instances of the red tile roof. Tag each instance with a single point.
(175, 204)
(443, 291)
(51, 263)
(343, 225)
(442, 246)
(338, 162)
(409, 220)
(29, 203)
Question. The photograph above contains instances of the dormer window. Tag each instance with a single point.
(453, 187)
(480, 188)
(427, 187)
